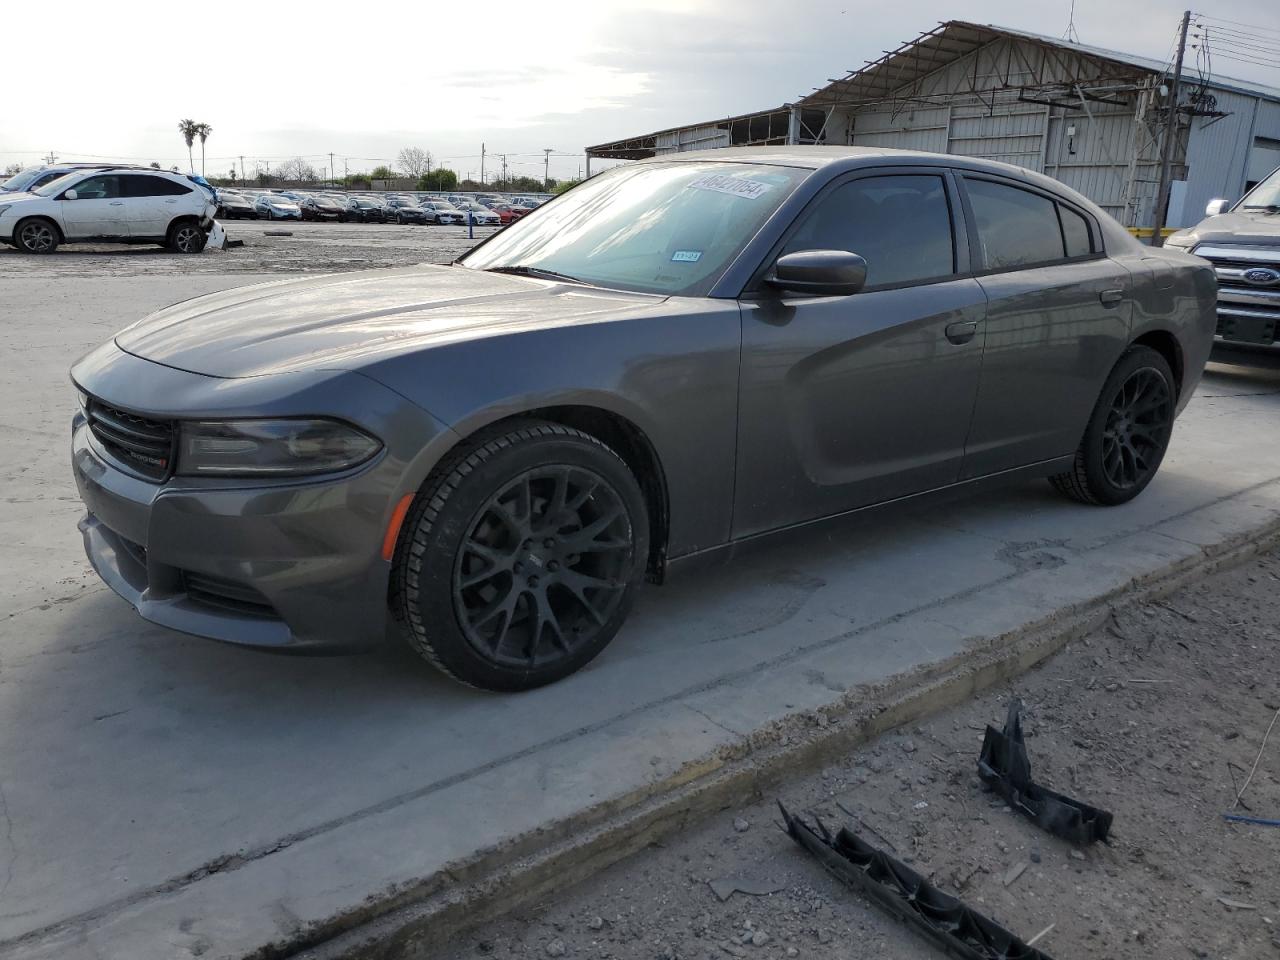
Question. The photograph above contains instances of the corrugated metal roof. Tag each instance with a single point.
(955, 39)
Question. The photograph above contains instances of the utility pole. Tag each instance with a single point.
(482, 164)
(504, 169)
(242, 169)
(51, 159)
(1170, 138)
(546, 167)
(332, 169)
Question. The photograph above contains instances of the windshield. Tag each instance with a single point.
(1265, 194)
(21, 180)
(669, 228)
(57, 186)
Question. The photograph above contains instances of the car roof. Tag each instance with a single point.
(836, 159)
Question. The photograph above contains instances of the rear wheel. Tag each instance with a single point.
(522, 557)
(185, 236)
(36, 236)
(1128, 432)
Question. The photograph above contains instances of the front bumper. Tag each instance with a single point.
(287, 565)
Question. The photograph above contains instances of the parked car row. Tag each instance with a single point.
(482, 209)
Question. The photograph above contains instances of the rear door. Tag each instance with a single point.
(97, 211)
(847, 401)
(152, 203)
(1058, 312)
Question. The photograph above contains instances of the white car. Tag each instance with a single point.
(112, 205)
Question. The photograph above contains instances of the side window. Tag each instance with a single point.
(41, 180)
(98, 188)
(1075, 232)
(142, 185)
(901, 225)
(1016, 227)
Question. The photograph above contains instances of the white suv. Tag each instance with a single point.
(112, 205)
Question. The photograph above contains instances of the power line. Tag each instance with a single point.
(1237, 23)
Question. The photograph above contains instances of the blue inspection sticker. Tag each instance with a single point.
(686, 256)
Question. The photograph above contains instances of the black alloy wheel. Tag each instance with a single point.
(521, 557)
(1127, 434)
(1137, 428)
(543, 567)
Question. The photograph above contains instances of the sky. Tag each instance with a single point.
(306, 80)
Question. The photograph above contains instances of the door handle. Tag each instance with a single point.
(1109, 298)
(962, 331)
(174, 200)
(116, 203)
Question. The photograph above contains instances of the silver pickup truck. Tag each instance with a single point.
(1242, 241)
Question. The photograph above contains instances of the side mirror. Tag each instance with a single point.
(827, 273)
(1216, 207)
(70, 195)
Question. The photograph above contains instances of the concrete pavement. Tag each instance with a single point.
(164, 796)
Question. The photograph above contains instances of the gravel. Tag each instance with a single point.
(1151, 717)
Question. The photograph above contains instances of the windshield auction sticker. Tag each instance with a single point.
(734, 186)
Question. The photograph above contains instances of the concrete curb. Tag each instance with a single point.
(498, 880)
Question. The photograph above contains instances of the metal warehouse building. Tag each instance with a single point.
(1092, 118)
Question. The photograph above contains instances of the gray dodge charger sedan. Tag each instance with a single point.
(674, 358)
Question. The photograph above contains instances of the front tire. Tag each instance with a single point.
(1128, 432)
(522, 556)
(36, 235)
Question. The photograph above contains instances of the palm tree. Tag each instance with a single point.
(202, 131)
(189, 129)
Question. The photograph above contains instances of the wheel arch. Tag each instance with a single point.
(57, 227)
(622, 435)
(1166, 344)
(181, 218)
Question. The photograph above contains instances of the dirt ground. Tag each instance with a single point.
(1158, 718)
(311, 247)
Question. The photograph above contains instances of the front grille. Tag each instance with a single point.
(146, 446)
(226, 595)
(1248, 311)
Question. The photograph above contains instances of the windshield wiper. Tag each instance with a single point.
(1269, 207)
(522, 271)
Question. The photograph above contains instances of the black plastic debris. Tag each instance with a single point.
(1006, 769)
(956, 928)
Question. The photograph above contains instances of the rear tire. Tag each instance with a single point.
(1128, 432)
(185, 236)
(35, 235)
(521, 557)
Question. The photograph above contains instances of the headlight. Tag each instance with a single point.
(252, 448)
(1180, 241)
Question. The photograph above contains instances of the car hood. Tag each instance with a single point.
(347, 321)
(1244, 226)
(18, 196)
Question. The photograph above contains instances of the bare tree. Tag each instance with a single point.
(189, 129)
(11, 169)
(202, 131)
(297, 170)
(414, 161)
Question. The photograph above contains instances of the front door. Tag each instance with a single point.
(97, 211)
(849, 401)
(1057, 320)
